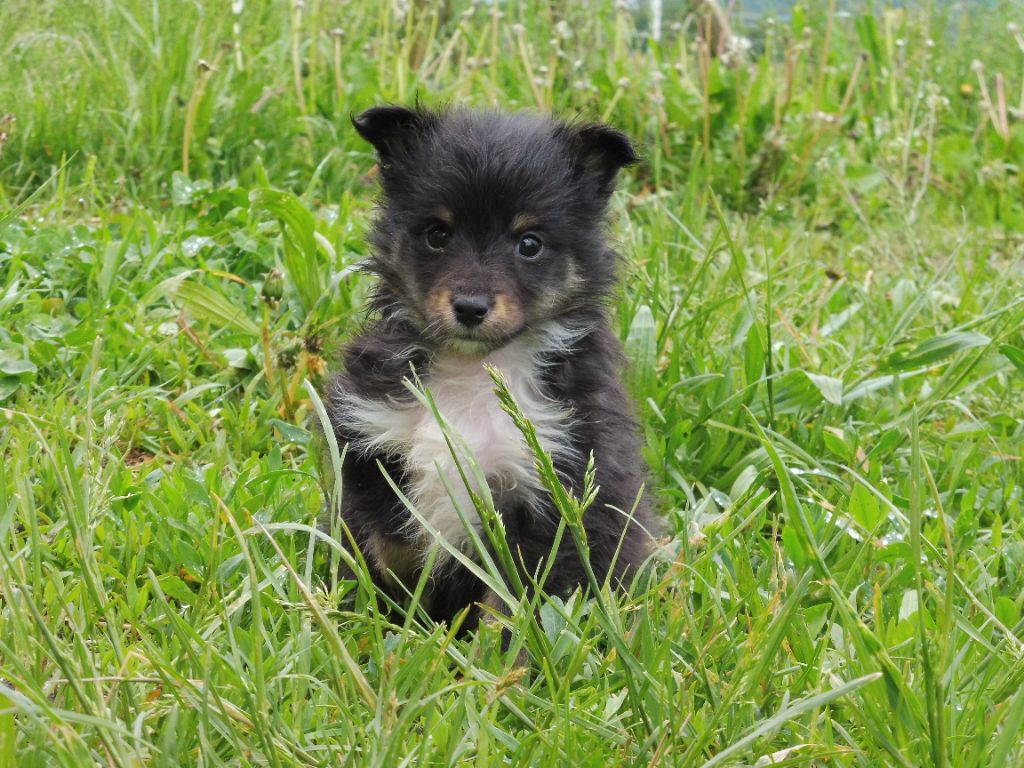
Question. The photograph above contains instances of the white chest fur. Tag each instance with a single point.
(482, 433)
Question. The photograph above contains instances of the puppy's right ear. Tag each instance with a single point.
(391, 128)
(601, 152)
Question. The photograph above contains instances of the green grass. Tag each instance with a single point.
(823, 304)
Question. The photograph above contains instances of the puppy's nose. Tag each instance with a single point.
(471, 310)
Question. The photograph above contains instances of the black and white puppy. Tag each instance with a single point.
(489, 248)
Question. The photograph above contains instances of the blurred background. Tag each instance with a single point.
(763, 100)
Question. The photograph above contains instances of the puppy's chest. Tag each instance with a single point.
(464, 397)
(481, 431)
(463, 393)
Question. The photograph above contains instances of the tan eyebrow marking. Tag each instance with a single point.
(445, 216)
(524, 221)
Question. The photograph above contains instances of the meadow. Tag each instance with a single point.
(823, 306)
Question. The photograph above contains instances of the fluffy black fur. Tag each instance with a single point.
(484, 177)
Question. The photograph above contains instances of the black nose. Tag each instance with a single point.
(471, 310)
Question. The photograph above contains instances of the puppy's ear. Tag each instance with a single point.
(601, 151)
(390, 128)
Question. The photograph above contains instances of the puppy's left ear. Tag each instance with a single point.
(601, 151)
(391, 128)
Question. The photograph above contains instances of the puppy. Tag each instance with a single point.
(489, 248)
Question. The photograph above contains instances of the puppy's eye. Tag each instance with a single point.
(438, 236)
(529, 246)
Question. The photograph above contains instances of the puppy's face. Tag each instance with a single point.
(489, 222)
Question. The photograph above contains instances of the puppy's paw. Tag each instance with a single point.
(492, 610)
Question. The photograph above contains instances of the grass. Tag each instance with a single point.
(823, 305)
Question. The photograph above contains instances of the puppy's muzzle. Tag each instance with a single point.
(470, 311)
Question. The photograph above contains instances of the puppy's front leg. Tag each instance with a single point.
(530, 535)
(492, 608)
